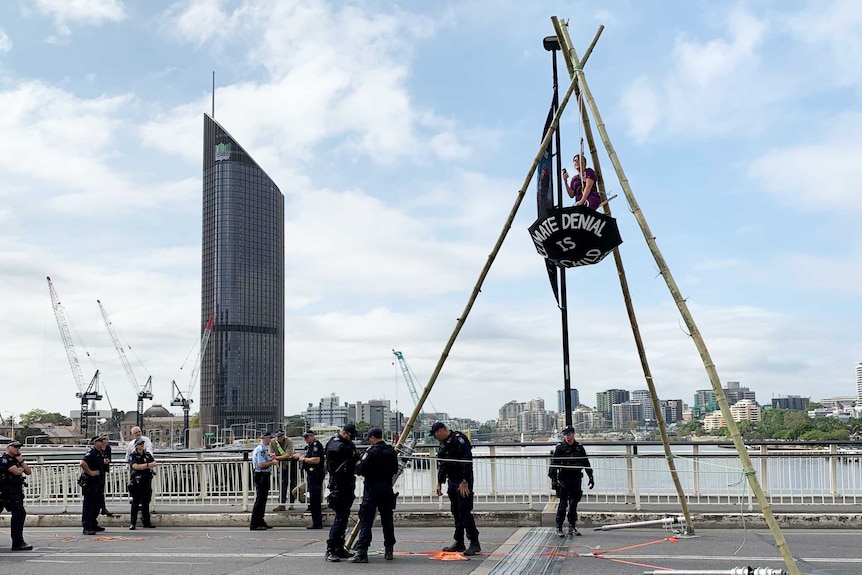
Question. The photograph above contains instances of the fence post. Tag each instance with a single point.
(635, 469)
(695, 468)
(629, 479)
(833, 470)
(492, 457)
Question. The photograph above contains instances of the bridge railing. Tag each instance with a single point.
(625, 473)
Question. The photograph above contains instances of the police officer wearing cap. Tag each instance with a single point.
(568, 463)
(262, 464)
(141, 464)
(341, 458)
(13, 468)
(312, 464)
(455, 469)
(379, 466)
(92, 467)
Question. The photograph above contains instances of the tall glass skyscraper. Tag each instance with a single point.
(242, 281)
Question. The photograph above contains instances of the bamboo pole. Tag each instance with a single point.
(700, 344)
(565, 41)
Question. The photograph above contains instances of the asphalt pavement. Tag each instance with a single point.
(234, 550)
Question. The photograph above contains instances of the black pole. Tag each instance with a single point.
(552, 44)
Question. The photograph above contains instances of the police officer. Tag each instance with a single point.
(341, 458)
(313, 465)
(93, 466)
(568, 463)
(13, 468)
(455, 468)
(262, 464)
(379, 466)
(141, 464)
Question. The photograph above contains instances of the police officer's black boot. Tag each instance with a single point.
(473, 549)
(341, 551)
(457, 547)
(331, 553)
(387, 554)
(361, 556)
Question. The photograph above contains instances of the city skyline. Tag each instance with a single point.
(400, 135)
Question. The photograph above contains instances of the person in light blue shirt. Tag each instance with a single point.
(262, 464)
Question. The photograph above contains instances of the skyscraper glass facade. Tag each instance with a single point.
(242, 281)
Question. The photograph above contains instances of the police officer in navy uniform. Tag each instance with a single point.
(568, 463)
(341, 458)
(93, 466)
(379, 466)
(313, 464)
(455, 469)
(13, 468)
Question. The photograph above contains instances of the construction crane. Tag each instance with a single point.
(408, 377)
(145, 392)
(90, 393)
(185, 400)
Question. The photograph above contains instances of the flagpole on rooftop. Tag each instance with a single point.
(748, 470)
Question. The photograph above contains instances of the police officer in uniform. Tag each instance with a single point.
(568, 463)
(93, 466)
(455, 469)
(262, 465)
(379, 466)
(341, 458)
(13, 468)
(312, 463)
(141, 464)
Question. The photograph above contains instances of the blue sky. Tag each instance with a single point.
(400, 133)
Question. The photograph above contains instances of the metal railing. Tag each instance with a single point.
(626, 473)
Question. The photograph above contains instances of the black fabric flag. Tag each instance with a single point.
(545, 195)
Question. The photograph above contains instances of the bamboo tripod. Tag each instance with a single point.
(577, 70)
(578, 83)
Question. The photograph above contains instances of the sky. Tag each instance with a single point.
(400, 134)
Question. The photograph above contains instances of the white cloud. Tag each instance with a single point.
(83, 12)
(5, 41)
(835, 24)
(332, 75)
(641, 106)
(821, 174)
(712, 88)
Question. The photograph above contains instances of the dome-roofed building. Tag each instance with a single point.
(162, 427)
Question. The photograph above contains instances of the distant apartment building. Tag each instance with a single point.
(524, 417)
(584, 419)
(671, 410)
(734, 392)
(745, 410)
(534, 422)
(859, 383)
(713, 421)
(838, 402)
(791, 402)
(626, 415)
(329, 412)
(561, 399)
(643, 397)
(377, 412)
(606, 399)
(704, 402)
